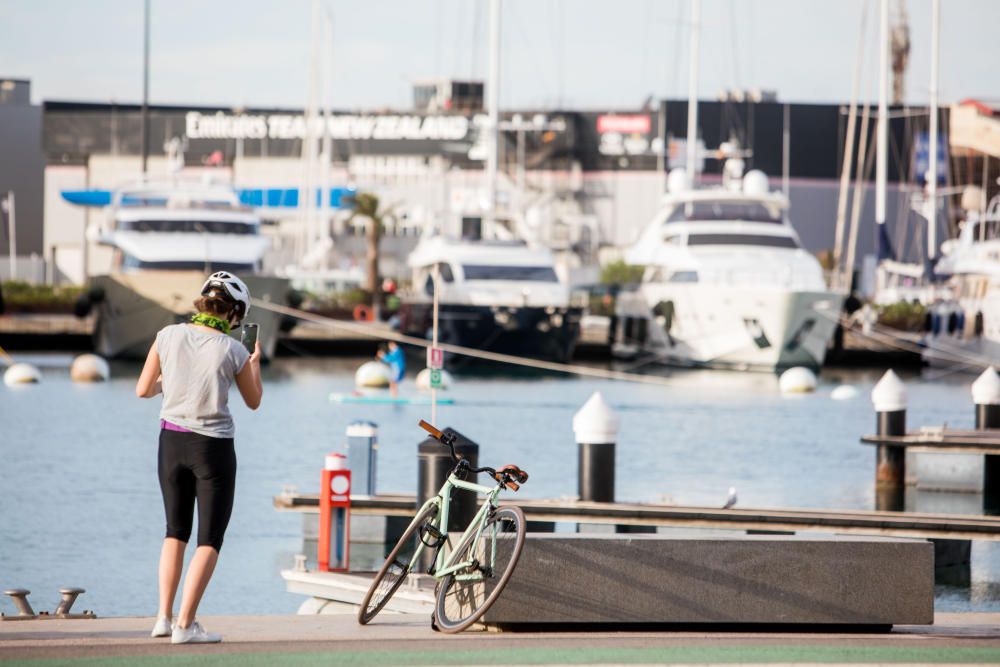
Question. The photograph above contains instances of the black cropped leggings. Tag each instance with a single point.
(194, 466)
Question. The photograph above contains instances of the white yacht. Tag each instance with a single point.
(726, 283)
(967, 326)
(168, 237)
(497, 293)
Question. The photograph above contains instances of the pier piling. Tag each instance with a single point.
(362, 451)
(986, 396)
(889, 399)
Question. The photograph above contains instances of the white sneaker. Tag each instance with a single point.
(193, 635)
(163, 627)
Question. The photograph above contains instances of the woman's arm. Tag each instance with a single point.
(149, 384)
(248, 380)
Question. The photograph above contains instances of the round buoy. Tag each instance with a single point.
(424, 379)
(797, 380)
(844, 392)
(89, 368)
(363, 313)
(21, 374)
(373, 374)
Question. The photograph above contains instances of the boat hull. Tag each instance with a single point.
(763, 329)
(535, 332)
(132, 307)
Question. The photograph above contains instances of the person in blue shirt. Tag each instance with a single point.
(397, 364)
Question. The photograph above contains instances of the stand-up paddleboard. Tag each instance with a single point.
(375, 399)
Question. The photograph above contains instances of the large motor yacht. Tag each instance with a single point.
(496, 293)
(167, 238)
(726, 282)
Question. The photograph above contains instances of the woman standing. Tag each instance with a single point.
(194, 366)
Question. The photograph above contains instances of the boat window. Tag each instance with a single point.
(743, 239)
(684, 277)
(446, 273)
(132, 262)
(717, 210)
(193, 226)
(541, 274)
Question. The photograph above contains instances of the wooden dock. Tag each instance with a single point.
(942, 440)
(849, 522)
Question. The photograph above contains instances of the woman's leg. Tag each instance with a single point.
(177, 483)
(215, 474)
(171, 564)
(200, 571)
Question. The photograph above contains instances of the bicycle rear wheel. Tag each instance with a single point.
(397, 565)
(464, 596)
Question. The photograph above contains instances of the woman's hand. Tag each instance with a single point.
(248, 380)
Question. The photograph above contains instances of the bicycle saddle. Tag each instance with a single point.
(516, 475)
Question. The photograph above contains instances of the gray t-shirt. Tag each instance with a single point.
(198, 369)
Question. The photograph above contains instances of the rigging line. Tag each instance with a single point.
(735, 43)
(604, 374)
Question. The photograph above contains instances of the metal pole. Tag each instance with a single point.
(882, 140)
(12, 234)
(845, 169)
(932, 177)
(692, 129)
(493, 104)
(145, 90)
(786, 143)
(434, 337)
(859, 194)
(661, 159)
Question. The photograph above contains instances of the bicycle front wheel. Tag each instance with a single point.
(398, 564)
(465, 595)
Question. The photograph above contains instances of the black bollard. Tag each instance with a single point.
(986, 394)
(596, 428)
(433, 465)
(889, 398)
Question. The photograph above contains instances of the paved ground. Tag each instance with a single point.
(334, 640)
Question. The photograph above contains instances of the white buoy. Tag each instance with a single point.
(89, 368)
(373, 374)
(797, 380)
(21, 374)
(424, 379)
(844, 392)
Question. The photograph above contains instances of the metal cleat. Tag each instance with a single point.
(20, 598)
(69, 595)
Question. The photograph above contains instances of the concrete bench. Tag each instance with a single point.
(754, 579)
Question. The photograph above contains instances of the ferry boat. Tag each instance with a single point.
(726, 284)
(168, 236)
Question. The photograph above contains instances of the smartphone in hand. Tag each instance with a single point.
(249, 336)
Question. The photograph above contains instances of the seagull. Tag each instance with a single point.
(731, 500)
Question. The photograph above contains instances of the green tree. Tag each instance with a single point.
(366, 205)
(620, 273)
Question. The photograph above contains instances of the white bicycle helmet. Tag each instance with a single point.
(223, 282)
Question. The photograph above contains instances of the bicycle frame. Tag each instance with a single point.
(443, 564)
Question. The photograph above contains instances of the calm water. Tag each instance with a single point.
(80, 504)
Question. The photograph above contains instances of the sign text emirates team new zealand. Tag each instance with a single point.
(342, 126)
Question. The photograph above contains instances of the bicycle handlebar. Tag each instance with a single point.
(505, 475)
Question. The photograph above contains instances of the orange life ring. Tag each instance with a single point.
(363, 313)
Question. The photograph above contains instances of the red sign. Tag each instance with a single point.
(623, 124)
(435, 358)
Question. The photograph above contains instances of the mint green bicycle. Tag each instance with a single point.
(471, 576)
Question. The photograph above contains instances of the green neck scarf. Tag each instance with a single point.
(212, 321)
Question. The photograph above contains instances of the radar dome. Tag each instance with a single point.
(755, 182)
(677, 180)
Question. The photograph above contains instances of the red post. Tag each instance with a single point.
(334, 515)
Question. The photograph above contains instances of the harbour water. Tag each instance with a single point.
(81, 505)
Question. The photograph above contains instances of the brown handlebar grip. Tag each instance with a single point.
(430, 428)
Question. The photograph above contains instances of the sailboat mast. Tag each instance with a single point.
(493, 108)
(882, 132)
(692, 129)
(932, 170)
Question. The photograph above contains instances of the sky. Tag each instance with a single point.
(578, 54)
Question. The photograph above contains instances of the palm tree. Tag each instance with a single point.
(366, 205)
